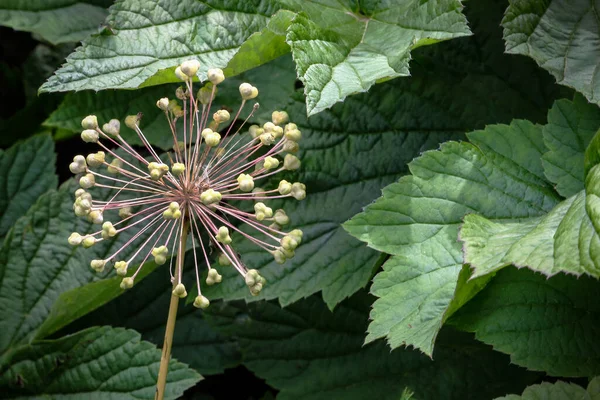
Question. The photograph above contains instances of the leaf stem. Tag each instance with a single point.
(161, 382)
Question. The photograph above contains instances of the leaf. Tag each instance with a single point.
(27, 172)
(557, 391)
(308, 352)
(149, 39)
(559, 35)
(571, 126)
(57, 21)
(342, 48)
(37, 264)
(417, 220)
(101, 362)
(549, 325)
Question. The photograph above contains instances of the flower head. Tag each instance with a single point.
(200, 191)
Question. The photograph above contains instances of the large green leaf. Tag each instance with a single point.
(147, 39)
(498, 174)
(344, 47)
(309, 353)
(101, 363)
(27, 172)
(561, 36)
(549, 325)
(558, 391)
(57, 21)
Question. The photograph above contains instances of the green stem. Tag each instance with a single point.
(161, 382)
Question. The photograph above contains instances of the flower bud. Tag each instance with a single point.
(284, 187)
(98, 265)
(254, 281)
(108, 230)
(213, 277)
(279, 256)
(160, 254)
(296, 234)
(87, 181)
(79, 192)
(298, 191)
(78, 165)
(121, 267)
(210, 137)
(293, 134)
(180, 291)
(163, 104)
(132, 121)
(96, 217)
(223, 260)
(181, 93)
(269, 127)
(178, 169)
(205, 94)
(125, 212)
(173, 212)
(201, 302)
(89, 122)
(223, 235)
(179, 146)
(215, 76)
(291, 147)
(267, 139)
(281, 218)
(288, 242)
(89, 136)
(114, 166)
(291, 162)
(88, 242)
(190, 67)
(157, 170)
(246, 182)
(271, 162)
(210, 196)
(95, 159)
(262, 211)
(290, 127)
(277, 132)
(179, 74)
(75, 239)
(126, 283)
(248, 91)
(280, 117)
(255, 131)
(221, 116)
(112, 127)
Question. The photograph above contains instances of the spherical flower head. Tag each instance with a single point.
(201, 302)
(215, 75)
(87, 181)
(160, 254)
(291, 162)
(112, 127)
(95, 160)
(284, 187)
(121, 268)
(213, 277)
(280, 117)
(163, 104)
(180, 291)
(210, 196)
(126, 283)
(262, 211)
(190, 67)
(245, 182)
(98, 265)
(270, 163)
(178, 169)
(172, 212)
(222, 235)
(298, 191)
(90, 136)
(75, 239)
(78, 165)
(247, 91)
(89, 122)
(221, 116)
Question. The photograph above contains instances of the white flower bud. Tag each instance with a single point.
(215, 76)
(288, 243)
(254, 281)
(280, 117)
(291, 147)
(212, 139)
(75, 239)
(126, 283)
(89, 136)
(298, 191)
(246, 182)
(269, 127)
(255, 131)
(210, 196)
(88, 242)
(108, 230)
(267, 139)
(132, 121)
(281, 217)
(87, 181)
(157, 170)
(160, 254)
(96, 217)
(223, 235)
(291, 162)
(95, 159)
(271, 162)
(179, 74)
(190, 67)
(98, 265)
(163, 104)
(180, 291)
(293, 134)
(78, 165)
(262, 211)
(213, 277)
(178, 169)
(248, 91)
(121, 267)
(89, 122)
(284, 187)
(201, 302)
(296, 234)
(221, 116)
(113, 127)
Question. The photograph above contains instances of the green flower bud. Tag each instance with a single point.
(298, 191)
(96, 217)
(95, 159)
(125, 212)
(79, 192)
(223, 235)
(78, 165)
(178, 169)
(114, 166)
(173, 212)
(277, 132)
(205, 94)
(287, 253)
(262, 211)
(160, 254)
(88, 242)
(279, 256)
(121, 267)
(180, 291)
(157, 170)
(213, 277)
(221, 116)
(190, 67)
(257, 190)
(284, 187)
(296, 234)
(210, 196)
(215, 76)
(291, 147)
(288, 243)
(181, 93)
(267, 139)
(87, 181)
(89, 136)
(290, 127)
(163, 104)
(211, 138)
(246, 182)
(98, 265)
(254, 281)
(248, 91)
(201, 302)
(179, 146)
(132, 121)
(294, 135)
(291, 162)
(280, 117)
(271, 162)
(126, 283)
(108, 230)
(269, 127)
(281, 217)
(112, 127)
(223, 260)
(75, 239)
(89, 122)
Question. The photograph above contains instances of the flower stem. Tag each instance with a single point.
(170, 328)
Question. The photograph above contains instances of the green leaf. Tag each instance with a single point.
(549, 325)
(308, 352)
(557, 391)
(498, 174)
(27, 172)
(571, 126)
(342, 48)
(57, 21)
(560, 35)
(37, 264)
(102, 362)
(148, 40)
